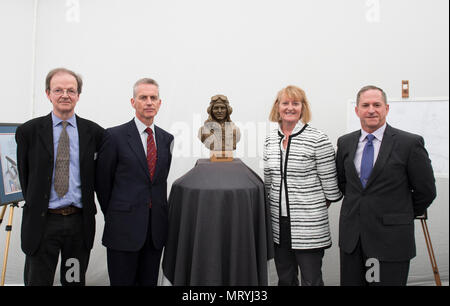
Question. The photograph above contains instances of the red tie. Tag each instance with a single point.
(151, 152)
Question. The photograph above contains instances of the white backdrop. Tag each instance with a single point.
(245, 49)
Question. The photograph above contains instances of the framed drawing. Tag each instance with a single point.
(10, 190)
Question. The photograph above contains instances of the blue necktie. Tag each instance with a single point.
(367, 160)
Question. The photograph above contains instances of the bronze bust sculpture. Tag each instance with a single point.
(219, 134)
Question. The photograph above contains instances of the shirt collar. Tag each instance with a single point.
(298, 127)
(56, 120)
(378, 133)
(141, 126)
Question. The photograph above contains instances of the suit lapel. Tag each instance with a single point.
(135, 142)
(159, 147)
(84, 138)
(46, 134)
(385, 151)
(353, 147)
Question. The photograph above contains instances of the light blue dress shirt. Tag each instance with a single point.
(73, 195)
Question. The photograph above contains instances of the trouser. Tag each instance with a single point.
(138, 268)
(288, 261)
(63, 235)
(359, 270)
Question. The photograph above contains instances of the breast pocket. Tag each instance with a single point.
(306, 163)
(397, 161)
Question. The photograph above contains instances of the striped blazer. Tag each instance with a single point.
(310, 179)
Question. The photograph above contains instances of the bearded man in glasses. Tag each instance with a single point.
(56, 161)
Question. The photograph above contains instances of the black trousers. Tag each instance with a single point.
(63, 235)
(140, 268)
(288, 261)
(359, 270)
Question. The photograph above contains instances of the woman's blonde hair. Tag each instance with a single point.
(296, 93)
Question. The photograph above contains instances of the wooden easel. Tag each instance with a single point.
(8, 236)
(437, 278)
(423, 220)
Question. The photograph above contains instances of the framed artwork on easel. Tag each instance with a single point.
(10, 189)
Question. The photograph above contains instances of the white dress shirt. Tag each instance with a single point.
(362, 142)
(143, 134)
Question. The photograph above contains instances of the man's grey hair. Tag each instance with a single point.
(144, 81)
(370, 87)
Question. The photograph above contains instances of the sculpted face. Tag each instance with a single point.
(219, 111)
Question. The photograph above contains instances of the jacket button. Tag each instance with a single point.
(43, 214)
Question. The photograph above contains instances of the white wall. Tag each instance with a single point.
(247, 50)
(16, 33)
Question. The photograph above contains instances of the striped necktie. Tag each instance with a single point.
(151, 152)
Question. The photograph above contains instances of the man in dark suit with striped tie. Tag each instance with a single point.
(386, 177)
(133, 165)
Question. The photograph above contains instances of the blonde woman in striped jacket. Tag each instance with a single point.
(301, 182)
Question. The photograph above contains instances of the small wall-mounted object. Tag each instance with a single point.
(405, 89)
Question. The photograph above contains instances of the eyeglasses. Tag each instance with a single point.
(70, 92)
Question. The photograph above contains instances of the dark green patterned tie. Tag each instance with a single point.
(62, 163)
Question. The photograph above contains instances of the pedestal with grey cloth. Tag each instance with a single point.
(219, 227)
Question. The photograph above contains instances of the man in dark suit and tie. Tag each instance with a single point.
(56, 161)
(131, 181)
(386, 177)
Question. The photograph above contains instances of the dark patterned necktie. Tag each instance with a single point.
(151, 152)
(367, 160)
(62, 163)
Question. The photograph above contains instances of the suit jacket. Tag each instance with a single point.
(35, 158)
(400, 187)
(125, 190)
